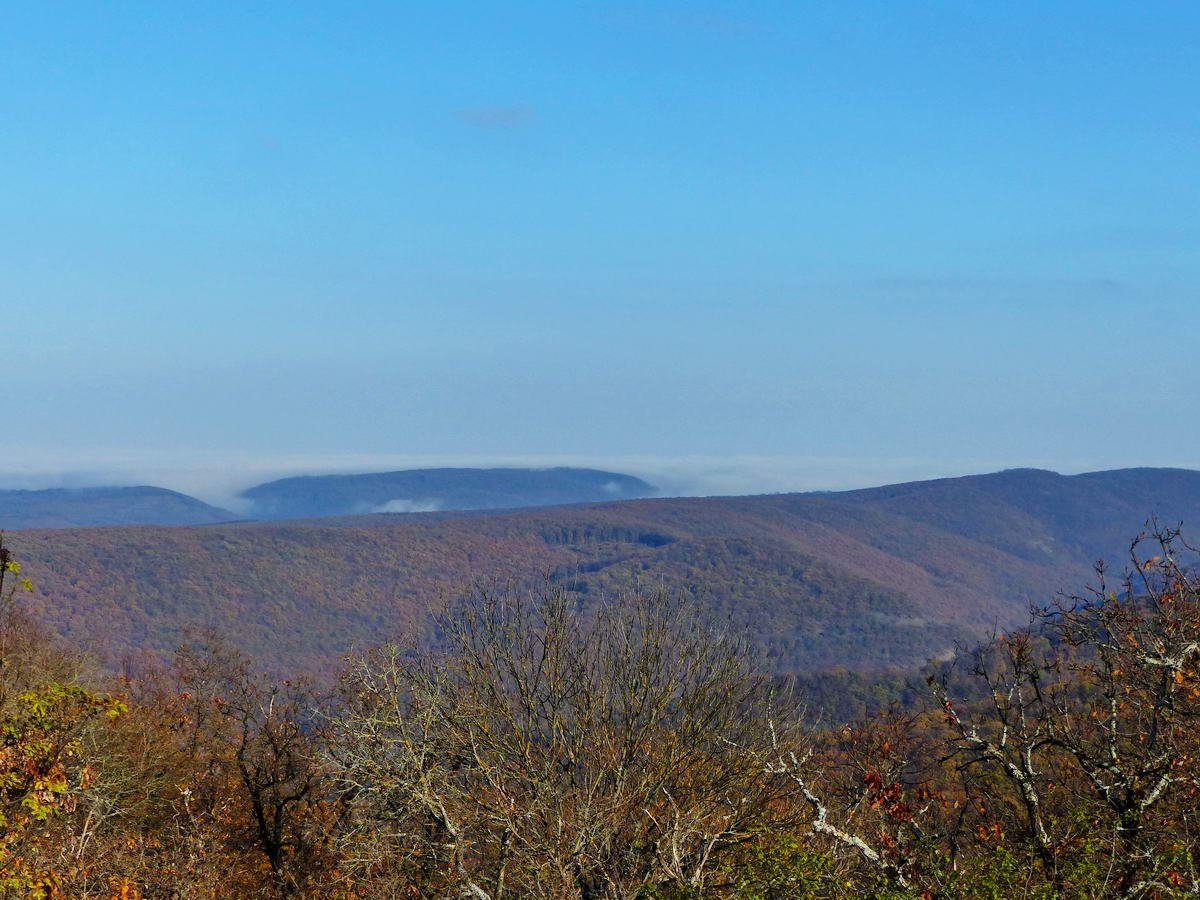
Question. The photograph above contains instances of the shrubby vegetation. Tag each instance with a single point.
(543, 748)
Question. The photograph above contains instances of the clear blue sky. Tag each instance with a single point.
(936, 232)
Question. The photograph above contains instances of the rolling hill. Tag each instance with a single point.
(424, 490)
(83, 507)
(886, 576)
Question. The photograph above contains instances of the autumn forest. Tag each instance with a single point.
(530, 746)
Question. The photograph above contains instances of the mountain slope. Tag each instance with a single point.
(83, 507)
(888, 576)
(422, 490)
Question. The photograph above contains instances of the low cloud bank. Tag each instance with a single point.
(401, 505)
(220, 478)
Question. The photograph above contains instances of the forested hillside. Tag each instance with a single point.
(82, 507)
(423, 490)
(888, 576)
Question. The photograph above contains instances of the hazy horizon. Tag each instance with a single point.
(219, 478)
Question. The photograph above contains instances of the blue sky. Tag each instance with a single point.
(847, 238)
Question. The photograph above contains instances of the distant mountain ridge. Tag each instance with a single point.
(312, 496)
(428, 490)
(887, 576)
(98, 506)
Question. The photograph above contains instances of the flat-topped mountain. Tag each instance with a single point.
(886, 576)
(81, 507)
(425, 490)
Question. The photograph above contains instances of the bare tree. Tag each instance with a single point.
(1091, 722)
(551, 752)
(250, 737)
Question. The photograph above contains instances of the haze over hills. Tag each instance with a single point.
(415, 490)
(83, 507)
(885, 576)
(425, 490)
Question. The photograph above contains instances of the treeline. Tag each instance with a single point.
(538, 748)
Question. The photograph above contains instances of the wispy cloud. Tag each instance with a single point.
(696, 21)
(497, 117)
(713, 23)
(960, 283)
